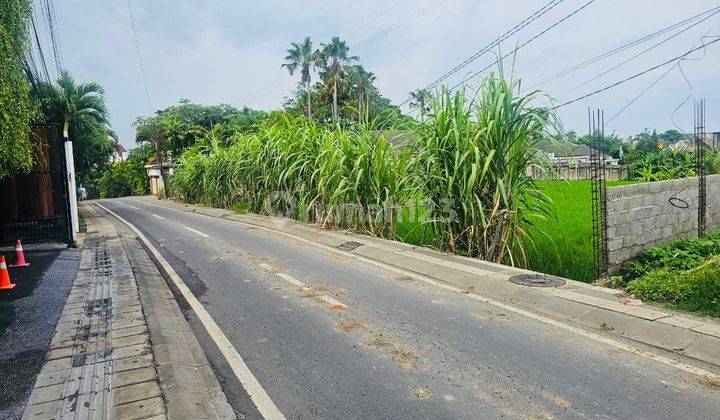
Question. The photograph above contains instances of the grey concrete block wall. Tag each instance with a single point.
(641, 215)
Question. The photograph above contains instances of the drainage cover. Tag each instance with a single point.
(349, 246)
(537, 280)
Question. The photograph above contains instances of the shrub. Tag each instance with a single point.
(124, 178)
(672, 257)
(696, 290)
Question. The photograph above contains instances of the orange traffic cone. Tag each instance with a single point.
(19, 256)
(5, 283)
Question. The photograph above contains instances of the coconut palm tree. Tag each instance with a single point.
(80, 108)
(334, 57)
(302, 56)
(362, 80)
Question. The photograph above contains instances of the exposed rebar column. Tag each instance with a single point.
(598, 189)
(699, 117)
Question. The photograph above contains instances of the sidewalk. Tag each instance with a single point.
(122, 348)
(690, 339)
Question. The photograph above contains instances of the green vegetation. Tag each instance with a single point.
(683, 274)
(126, 177)
(80, 109)
(16, 112)
(562, 244)
(345, 90)
(461, 186)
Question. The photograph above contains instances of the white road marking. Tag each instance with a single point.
(587, 334)
(133, 207)
(258, 395)
(197, 232)
(290, 279)
(159, 217)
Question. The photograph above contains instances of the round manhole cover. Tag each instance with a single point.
(537, 280)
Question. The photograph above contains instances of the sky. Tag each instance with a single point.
(225, 51)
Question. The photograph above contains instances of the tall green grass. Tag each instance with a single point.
(462, 186)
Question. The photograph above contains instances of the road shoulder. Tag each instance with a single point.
(122, 348)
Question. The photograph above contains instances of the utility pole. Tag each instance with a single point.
(72, 195)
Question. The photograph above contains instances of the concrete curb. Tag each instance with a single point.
(575, 303)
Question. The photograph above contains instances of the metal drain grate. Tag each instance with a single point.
(349, 246)
(537, 280)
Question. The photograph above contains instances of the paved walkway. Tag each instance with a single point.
(122, 348)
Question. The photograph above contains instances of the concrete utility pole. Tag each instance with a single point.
(72, 195)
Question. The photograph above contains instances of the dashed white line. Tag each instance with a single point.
(159, 217)
(292, 280)
(258, 395)
(197, 232)
(133, 207)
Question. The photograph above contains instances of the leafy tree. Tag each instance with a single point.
(333, 58)
(15, 110)
(302, 56)
(127, 177)
(184, 124)
(671, 136)
(80, 108)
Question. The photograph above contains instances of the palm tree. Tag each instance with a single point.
(80, 108)
(362, 80)
(302, 56)
(418, 100)
(334, 56)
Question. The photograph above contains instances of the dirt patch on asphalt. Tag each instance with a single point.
(421, 393)
(401, 278)
(313, 291)
(711, 383)
(258, 258)
(489, 316)
(349, 326)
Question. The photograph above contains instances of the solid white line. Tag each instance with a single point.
(587, 334)
(258, 395)
(159, 217)
(196, 232)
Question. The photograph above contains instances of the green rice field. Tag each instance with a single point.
(566, 248)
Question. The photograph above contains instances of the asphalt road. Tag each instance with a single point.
(400, 348)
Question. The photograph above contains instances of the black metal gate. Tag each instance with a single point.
(35, 206)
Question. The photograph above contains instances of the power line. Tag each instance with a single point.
(652, 47)
(394, 26)
(39, 47)
(541, 33)
(619, 49)
(378, 16)
(139, 55)
(537, 14)
(636, 75)
(54, 37)
(270, 87)
(662, 76)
